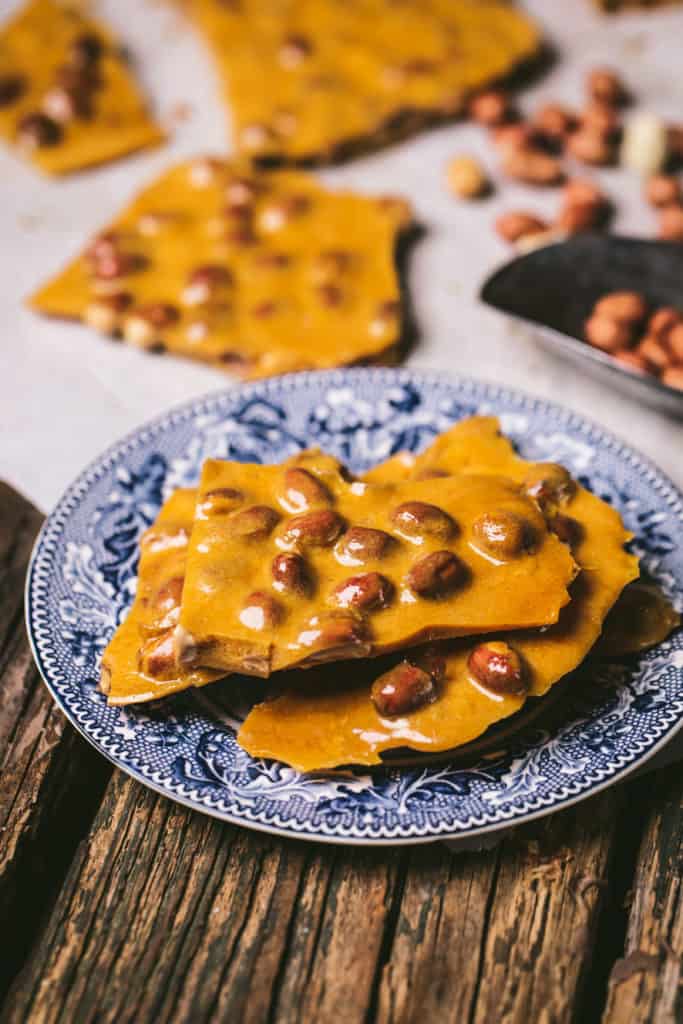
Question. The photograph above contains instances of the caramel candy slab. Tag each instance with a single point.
(294, 566)
(140, 662)
(67, 96)
(257, 273)
(312, 79)
(330, 724)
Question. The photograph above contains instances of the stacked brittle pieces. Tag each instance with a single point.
(412, 608)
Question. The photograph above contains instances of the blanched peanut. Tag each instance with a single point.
(626, 307)
(497, 667)
(302, 490)
(502, 533)
(436, 574)
(366, 592)
(319, 528)
(607, 334)
(402, 689)
(467, 178)
(518, 224)
(290, 573)
(416, 520)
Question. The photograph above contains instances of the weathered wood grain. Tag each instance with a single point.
(646, 983)
(50, 777)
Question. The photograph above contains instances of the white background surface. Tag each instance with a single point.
(65, 394)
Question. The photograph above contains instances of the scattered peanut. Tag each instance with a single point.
(607, 334)
(662, 190)
(532, 166)
(604, 86)
(671, 224)
(628, 307)
(518, 224)
(673, 376)
(491, 107)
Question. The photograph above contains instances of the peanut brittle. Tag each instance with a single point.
(259, 274)
(140, 662)
(309, 79)
(467, 685)
(296, 565)
(67, 96)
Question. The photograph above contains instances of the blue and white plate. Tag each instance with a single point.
(82, 579)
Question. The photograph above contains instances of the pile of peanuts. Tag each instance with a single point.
(532, 151)
(641, 339)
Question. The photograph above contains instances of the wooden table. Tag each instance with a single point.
(118, 905)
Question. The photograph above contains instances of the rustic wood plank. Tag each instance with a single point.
(50, 777)
(168, 915)
(646, 983)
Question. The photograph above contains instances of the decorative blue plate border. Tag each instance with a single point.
(82, 578)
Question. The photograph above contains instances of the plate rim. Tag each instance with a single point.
(485, 390)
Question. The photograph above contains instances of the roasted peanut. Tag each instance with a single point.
(662, 190)
(532, 166)
(581, 192)
(294, 51)
(319, 528)
(674, 341)
(554, 121)
(157, 656)
(673, 376)
(302, 490)
(566, 529)
(11, 89)
(220, 501)
(550, 485)
(290, 574)
(516, 135)
(626, 307)
(337, 629)
(261, 611)
(497, 667)
(502, 534)
(467, 178)
(254, 523)
(604, 86)
(366, 592)
(362, 544)
(671, 224)
(576, 217)
(104, 314)
(516, 225)
(436, 574)
(632, 360)
(491, 107)
(63, 105)
(37, 130)
(600, 119)
(203, 282)
(416, 520)
(607, 334)
(402, 689)
(85, 50)
(159, 538)
(655, 352)
(663, 320)
(590, 147)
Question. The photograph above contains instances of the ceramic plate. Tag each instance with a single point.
(82, 579)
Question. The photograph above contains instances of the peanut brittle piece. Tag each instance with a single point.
(67, 96)
(296, 565)
(313, 79)
(259, 274)
(140, 662)
(329, 720)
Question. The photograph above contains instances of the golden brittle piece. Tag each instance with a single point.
(329, 720)
(310, 79)
(140, 662)
(296, 564)
(67, 96)
(259, 274)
